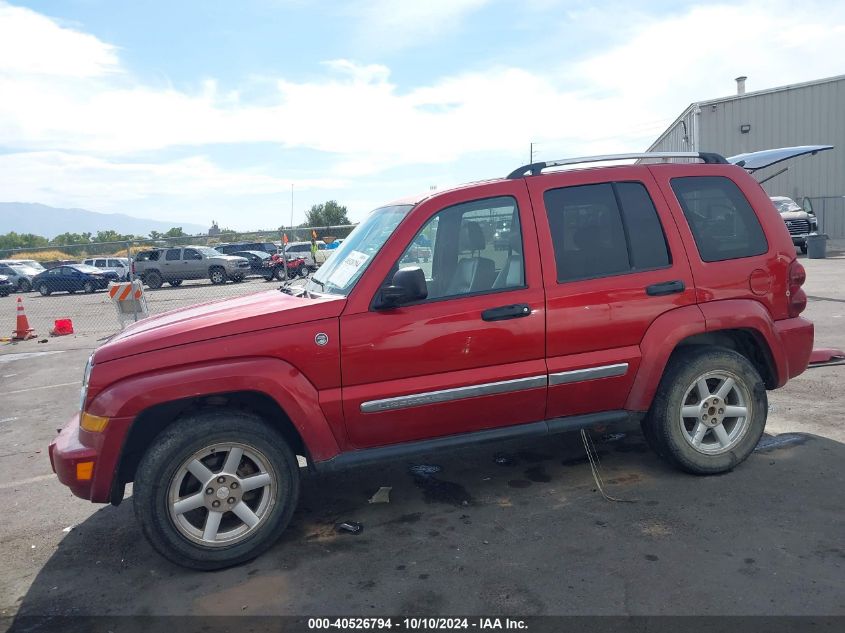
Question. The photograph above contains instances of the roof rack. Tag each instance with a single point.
(534, 169)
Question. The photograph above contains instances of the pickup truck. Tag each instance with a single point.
(667, 294)
(175, 265)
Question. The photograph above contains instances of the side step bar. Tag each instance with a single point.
(532, 429)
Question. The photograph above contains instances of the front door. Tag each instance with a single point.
(471, 355)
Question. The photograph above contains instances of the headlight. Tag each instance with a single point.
(83, 392)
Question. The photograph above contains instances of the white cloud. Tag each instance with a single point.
(75, 127)
(31, 43)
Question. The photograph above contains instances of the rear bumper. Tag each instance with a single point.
(796, 337)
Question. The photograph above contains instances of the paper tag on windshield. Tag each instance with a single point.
(347, 269)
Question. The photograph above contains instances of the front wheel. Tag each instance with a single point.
(175, 282)
(709, 411)
(88, 287)
(25, 285)
(279, 273)
(217, 276)
(44, 289)
(803, 248)
(216, 489)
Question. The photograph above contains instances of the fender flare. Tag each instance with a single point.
(274, 378)
(660, 340)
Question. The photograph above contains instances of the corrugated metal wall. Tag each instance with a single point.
(802, 115)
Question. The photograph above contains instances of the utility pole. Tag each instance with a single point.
(531, 154)
(291, 206)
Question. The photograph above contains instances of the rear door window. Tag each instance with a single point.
(604, 229)
(173, 254)
(721, 219)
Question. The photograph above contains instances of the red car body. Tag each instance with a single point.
(263, 345)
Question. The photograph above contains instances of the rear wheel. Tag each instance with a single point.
(216, 489)
(153, 280)
(709, 411)
(175, 282)
(44, 289)
(217, 276)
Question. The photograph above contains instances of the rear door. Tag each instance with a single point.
(612, 263)
(171, 264)
(471, 355)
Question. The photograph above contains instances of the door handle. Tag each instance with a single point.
(665, 288)
(514, 311)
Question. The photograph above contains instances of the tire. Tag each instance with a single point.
(217, 276)
(25, 285)
(88, 287)
(162, 476)
(44, 289)
(710, 441)
(238, 279)
(268, 277)
(803, 248)
(153, 279)
(279, 273)
(176, 282)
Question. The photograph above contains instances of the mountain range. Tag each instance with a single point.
(40, 219)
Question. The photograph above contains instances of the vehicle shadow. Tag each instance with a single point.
(516, 529)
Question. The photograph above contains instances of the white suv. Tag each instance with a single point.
(120, 265)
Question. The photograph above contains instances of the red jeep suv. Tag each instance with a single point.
(553, 299)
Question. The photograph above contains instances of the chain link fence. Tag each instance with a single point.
(62, 294)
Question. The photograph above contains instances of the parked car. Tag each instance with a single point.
(175, 265)
(799, 223)
(303, 250)
(667, 293)
(120, 265)
(273, 266)
(29, 263)
(19, 276)
(6, 286)
(72, 278)
(230, 249)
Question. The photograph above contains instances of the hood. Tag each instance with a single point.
(216, 319)
(229, 258)
(795, 215)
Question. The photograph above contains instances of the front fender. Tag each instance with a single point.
(279, 380)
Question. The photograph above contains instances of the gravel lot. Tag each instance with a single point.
(528, 537)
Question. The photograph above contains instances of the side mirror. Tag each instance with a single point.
(408, 285)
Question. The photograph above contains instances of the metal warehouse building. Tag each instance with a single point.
(811, 113)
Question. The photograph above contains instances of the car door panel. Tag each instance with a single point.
(594, 326)
(438, 368)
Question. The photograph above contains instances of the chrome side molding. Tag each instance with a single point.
(591, 373)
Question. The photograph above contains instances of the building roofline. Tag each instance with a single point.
(756, 93)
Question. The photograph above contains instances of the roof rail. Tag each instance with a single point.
(535, 169)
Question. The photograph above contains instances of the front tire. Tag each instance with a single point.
(217, 276)
(44, 289)
(24, 285)
(803, 248)
(709, 411)
(88, 287)
(253, 477)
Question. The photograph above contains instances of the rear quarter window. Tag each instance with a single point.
(722, 221)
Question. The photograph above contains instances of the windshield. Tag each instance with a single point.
(344, 268)
(208, 252)
(785, 204)
(85, 268)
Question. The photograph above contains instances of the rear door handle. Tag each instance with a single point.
(514, 311)
(665, 288)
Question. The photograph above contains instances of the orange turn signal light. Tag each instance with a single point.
(84, 471)
(93, 423)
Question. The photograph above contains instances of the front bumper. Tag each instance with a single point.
(66, 453)
(74, 446)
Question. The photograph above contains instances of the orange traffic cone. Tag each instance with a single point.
(22, 331)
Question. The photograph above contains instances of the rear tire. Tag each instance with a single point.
(153, 280)
(176, 282)
(709, 411)
(204, 442)
(44, 289)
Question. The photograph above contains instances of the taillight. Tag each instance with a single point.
(796, 297)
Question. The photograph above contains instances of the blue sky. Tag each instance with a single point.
(196, 111)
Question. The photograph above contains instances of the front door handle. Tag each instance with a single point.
(514, 311)
(665, 288)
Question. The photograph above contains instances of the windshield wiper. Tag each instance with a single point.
(319, 283)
